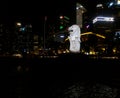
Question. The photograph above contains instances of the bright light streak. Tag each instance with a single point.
(87, 33)
(93, 34)
(100, 36)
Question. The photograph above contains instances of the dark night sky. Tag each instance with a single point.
(36, 10)
(36, 7)
(40, 8)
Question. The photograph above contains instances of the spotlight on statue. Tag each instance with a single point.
(74, 38)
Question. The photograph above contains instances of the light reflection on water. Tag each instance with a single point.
(26, 77)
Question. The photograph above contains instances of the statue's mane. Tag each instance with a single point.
(74, 30)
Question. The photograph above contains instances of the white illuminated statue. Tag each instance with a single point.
(74, 38)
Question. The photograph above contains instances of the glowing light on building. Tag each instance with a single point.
(79, 14)
(62, 36)
(111, 4)
(90, 33)
(105, 19)
(61, 17)
(99, 5)
(18, 24)
(118, 1)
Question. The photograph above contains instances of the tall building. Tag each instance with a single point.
(23, 36)
(79, 14)
(106, 22)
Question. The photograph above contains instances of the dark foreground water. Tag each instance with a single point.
(67, 76)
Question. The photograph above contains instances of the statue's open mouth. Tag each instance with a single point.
(70, 30)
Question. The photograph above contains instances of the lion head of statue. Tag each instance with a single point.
(74, 31)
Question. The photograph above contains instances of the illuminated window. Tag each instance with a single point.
(106, 19)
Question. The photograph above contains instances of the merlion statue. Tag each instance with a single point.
(74, 38)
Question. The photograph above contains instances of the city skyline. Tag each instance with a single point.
(35, 12)
(35, 8)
